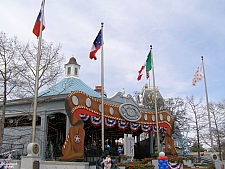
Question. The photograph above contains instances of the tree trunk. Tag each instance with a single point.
(3, 113)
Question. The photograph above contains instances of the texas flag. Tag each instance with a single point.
(36, 29)
(96, 45)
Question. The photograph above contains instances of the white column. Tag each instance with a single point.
(43, 135)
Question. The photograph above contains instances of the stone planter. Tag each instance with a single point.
(155, 163)
(200, 166)
(123, 161)
(121, 167)
(188, 163)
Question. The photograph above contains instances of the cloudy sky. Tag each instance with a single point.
(179, 31)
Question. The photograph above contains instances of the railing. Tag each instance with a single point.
(201, 159)
(16, 150)
(204, 160)
(92, 154)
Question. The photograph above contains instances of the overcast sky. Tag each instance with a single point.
(180, 32)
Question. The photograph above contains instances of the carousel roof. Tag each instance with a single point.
(67, 85)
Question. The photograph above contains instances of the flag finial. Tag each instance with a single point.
(202, 57)
(151, 47)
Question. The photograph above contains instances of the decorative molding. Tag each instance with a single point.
(130, 112)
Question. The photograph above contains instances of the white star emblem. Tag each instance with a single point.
(77, 139)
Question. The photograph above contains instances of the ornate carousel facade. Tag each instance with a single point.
(70, 119)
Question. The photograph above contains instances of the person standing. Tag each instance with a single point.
(107, 162)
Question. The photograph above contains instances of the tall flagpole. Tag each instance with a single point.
(102, 91)
(207, 104)
(37, 74)
(156, 111)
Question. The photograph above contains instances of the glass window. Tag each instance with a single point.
(69, 71)
(75, 71)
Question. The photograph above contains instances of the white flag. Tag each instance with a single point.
(198, 75)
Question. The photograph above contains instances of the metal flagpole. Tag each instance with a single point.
(207, 104)
(102, 91)
(156, 111)
(37, 74)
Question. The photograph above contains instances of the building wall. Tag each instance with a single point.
(15, 136)
(19, 137)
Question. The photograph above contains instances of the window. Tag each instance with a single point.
(20, 121)
(75, 71)
(69, 71)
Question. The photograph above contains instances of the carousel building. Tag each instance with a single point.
(69, 120)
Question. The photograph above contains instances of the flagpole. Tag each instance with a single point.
(207, 104)
(37, 75)
(156, 111)
(102, 91)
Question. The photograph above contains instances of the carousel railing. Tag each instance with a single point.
(92, 153)
(16, 150)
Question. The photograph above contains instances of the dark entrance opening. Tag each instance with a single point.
(56, 135)
(93, 140)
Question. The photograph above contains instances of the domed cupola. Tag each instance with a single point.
(72, 68)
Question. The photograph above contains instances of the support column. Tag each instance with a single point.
(43, 134)
(151, 143)
(44, 128)
(68, 125)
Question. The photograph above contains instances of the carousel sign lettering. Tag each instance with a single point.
(130, 112)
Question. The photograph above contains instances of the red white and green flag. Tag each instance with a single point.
(147, 65)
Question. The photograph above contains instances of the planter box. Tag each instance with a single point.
(200, 166)
(188, 163)
(121, 167)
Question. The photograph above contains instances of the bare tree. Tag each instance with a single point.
(49, 68)
(177, 108)
(199, 118)
(7, 54)
(18, 70)
(217, 111)
(195, 147)
(218, 120)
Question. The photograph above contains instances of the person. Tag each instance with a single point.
(107, 162)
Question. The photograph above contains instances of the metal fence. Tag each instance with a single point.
(16, 150)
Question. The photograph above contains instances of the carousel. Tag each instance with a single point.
(122, 115)
(69, 119)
